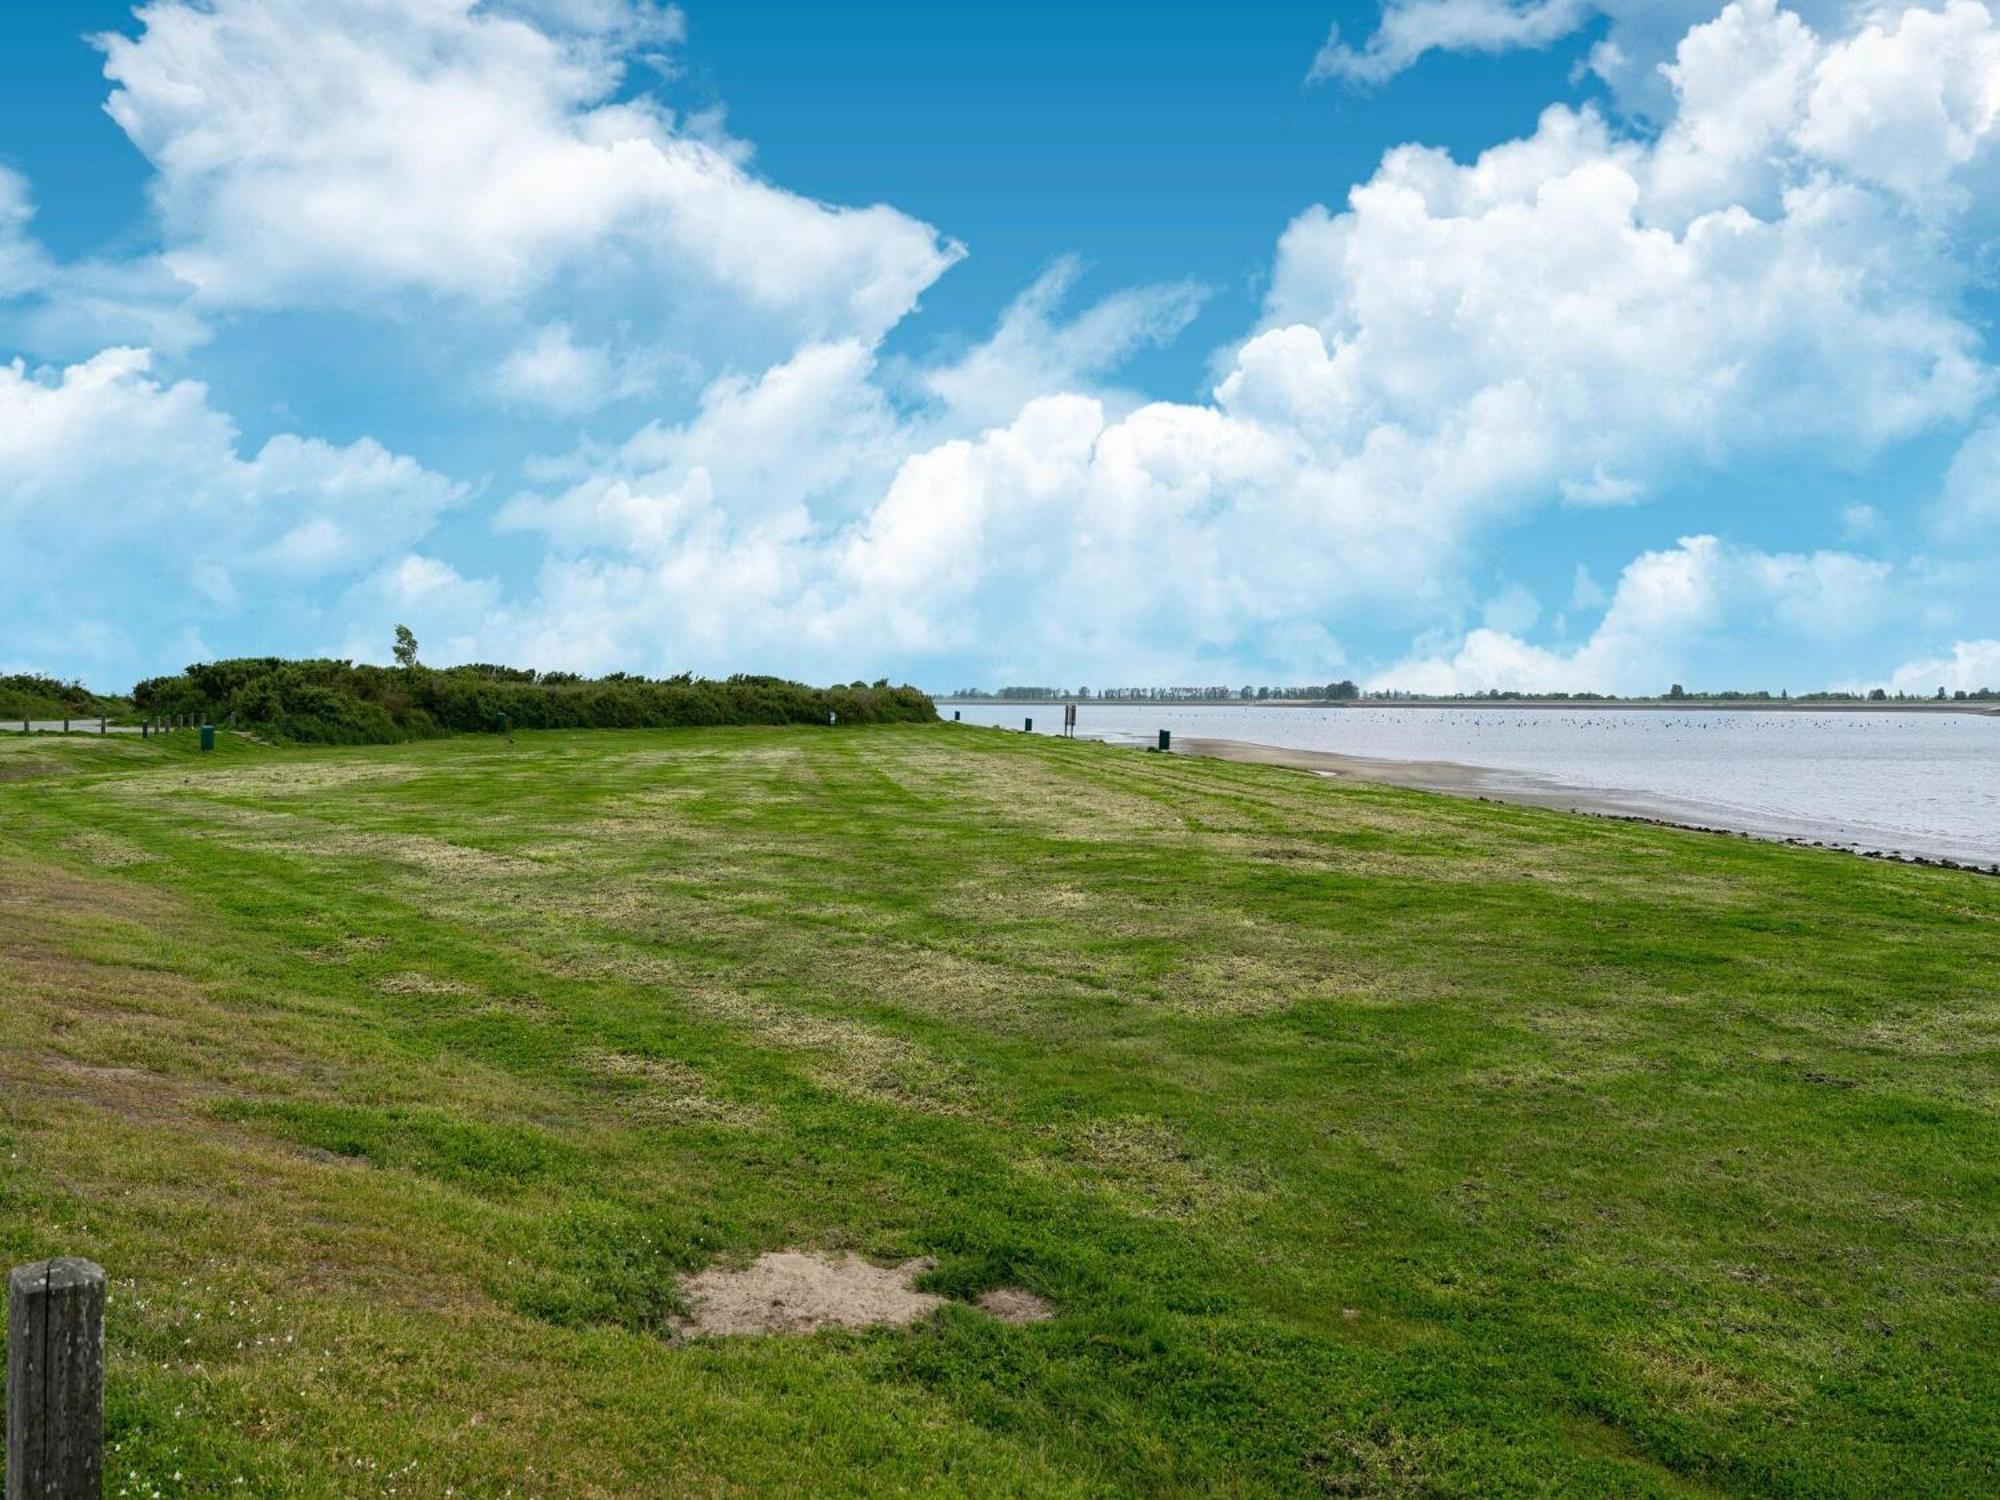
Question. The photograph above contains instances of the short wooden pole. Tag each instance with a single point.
(55, 1381)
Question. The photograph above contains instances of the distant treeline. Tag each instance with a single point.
(26, 695)
(1679, 694)
(1343, 692)
(1315, 692)
(338, 702)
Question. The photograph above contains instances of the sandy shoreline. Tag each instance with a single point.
(1521, 789)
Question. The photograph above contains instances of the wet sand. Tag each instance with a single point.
(1526, 790)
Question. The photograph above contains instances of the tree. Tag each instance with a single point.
(1677, 691)
(406, 647)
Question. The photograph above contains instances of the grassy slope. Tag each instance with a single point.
(1372, 1143)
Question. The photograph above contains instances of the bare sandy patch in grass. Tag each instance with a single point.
(802, 1291)
(797, 1291)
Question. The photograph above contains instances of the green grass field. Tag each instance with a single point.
(1369, 1143)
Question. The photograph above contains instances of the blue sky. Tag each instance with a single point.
(1448, 344)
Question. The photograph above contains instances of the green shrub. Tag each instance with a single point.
(338, 702)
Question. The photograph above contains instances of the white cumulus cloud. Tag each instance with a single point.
(1666, 612)
(1411, 28)
(341, 151)
(1969, 667)
(1640, 35)
(123, 496)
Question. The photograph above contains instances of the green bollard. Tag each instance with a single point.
(208, 736)
(499, 723)
(1166, 739)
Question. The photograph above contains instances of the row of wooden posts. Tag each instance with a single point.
(169, 722)
(55, 1381)
(161, 725)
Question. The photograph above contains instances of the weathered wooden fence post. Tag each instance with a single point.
(55, 1381)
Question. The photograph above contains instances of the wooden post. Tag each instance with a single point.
(55, 1381)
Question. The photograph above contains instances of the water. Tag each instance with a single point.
(1923, 783)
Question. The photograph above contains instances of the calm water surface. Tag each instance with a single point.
(1910, 783)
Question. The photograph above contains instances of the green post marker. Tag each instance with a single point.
(1028, 727)
(208, 736)
(1166, 739)
(499, 723)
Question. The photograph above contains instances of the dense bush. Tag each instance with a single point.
(337, 702)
